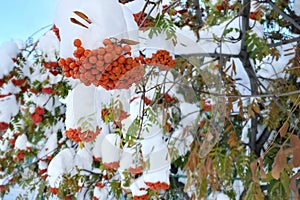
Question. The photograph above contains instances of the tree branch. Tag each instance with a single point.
(283, 14)
(245, 59)
(296, 39)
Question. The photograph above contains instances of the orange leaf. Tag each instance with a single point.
(295, 143)
(279, 164)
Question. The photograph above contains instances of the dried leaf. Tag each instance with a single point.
(284, 128)
(254, 192)
(289, 54)
(83, 16)
(193, 159)
(129, 42)
(241, 110)
(261, 168)
(209, 165)
(253, 167)
(251, 112)
(233, 68)
(255, 108)
(279, 164)
(75, 21)
(174, 42)
(294, 186)
(295, 143)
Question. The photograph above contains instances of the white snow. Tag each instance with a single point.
(8, 51)
(49, 45)
(49, 147)
(61, 164)
(8, 108)
(21, 142)
(297, 7)
(83, 160)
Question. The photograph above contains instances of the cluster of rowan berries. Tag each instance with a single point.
(110, 66)
(77, 135)
(161, 59)
(158, 185)
(56, 31)
(70, 66)
(142, 197)
(139, 18)
(52, 67)
(73, 135)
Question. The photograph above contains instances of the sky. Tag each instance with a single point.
(19, 19)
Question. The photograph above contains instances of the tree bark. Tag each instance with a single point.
(245, 59)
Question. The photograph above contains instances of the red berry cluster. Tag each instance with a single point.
(139, 18)
(73, 135)
(77, 135)
(142, 197)
(162, 59)
(37, 116)
(110, 66)
(52, 67)
(158, 185)
(56, 31)
(3, 126)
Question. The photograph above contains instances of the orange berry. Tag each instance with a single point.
(67, 74)
(101, 51)
(109, 48)
(121, 59)
(108, 58)
(99, 63)
(107, 42)
(116, 70)
(69, 61)
(77, 43)
(93, 59)
(80, 50)
(95, 71)
(100, 57)
(118, 50)
(62, 62)
(127, 48)
(72, 65)
(87, 52)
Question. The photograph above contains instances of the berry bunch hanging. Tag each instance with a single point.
(111, 66)
(162, 59)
